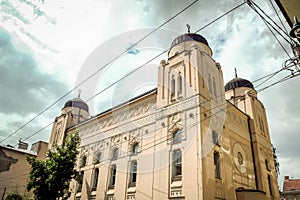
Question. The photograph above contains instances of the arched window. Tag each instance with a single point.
(176, 137)
(179, 84)
(115, 154)
(135, 148)
(95, 179)
(172, 86)
(97, 158)
(83, 161)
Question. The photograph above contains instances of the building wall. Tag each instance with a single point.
(15, 176)
(221, 147)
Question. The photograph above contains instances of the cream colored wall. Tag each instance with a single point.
(17, 177)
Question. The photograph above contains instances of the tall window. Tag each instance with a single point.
(209, 84)
(172, 86)
(133, 173)
(215, 88)
(176, 171)
(179, 84)
(83, 161)
(97, 158)
(135, 148)
(80, 181)
(176, 137)
(215, 137)
(95, 179)
(217, 165)
(270, 185)
(115, 154)
(113, 173)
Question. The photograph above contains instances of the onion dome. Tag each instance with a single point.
(237, 83)
(189, 37)
(77, 103)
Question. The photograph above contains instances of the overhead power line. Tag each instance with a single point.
(100, 69)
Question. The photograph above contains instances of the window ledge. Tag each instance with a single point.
(131, 190)
(110, 192)
(176, 184)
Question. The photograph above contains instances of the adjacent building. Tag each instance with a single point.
(189, 138)
(14, 169)
(291, 189)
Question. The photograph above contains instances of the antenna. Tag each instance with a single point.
(79, 91)
(188, 27)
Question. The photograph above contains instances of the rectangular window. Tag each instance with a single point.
(80, 181)
(133, 173)
(270, 185)
(209, 84)
(176, 171)
(113, 173)
(215, 137)
(215, 89)
(95, 179)
(217, 165)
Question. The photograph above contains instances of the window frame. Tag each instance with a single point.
(177, 136)
(217, 165)
(115, 153)
(95, 179)
(176, 160)
(133, 173)
(135, 148)
(113, 176)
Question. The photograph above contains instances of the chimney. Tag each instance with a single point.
(286, 178)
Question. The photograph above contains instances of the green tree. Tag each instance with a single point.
(50, 178)
(14, 196)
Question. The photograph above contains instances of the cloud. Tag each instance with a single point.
(25, 89)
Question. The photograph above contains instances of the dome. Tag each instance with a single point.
(189, 37)
(77, 103)
(238, 82)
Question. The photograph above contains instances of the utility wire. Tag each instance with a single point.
(96, 72)
(135, 69)
(278, 16)
(268, 24)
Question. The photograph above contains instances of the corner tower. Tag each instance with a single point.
(242, 94)
(73, 112)
(189, 70)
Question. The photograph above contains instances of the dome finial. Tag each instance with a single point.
(188, 27)
(79, 91)
(235, 73)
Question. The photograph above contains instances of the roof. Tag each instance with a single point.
(189, 37)
(154, 90)
(78, 103)
(238, 82)
(291, 184)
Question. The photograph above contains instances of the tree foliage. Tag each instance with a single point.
(276, 162)
(50, 178)
(14, 196)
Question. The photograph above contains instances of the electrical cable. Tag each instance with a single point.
(133, 70)
(96, 72)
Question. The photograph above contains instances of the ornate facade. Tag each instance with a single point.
(190, 138)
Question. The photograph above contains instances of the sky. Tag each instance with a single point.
(48, 47)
